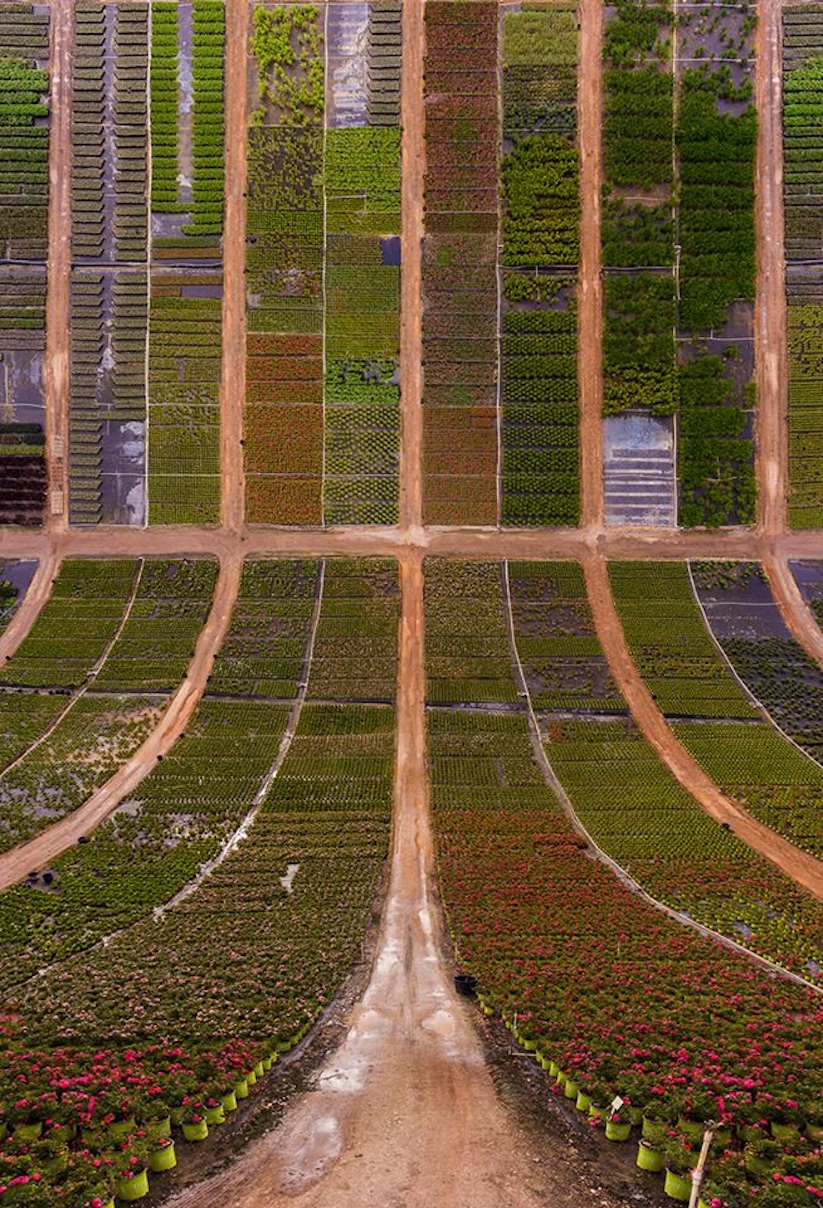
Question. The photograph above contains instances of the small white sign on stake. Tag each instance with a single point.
(616, 1104)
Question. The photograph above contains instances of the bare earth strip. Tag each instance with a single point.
(29, 610)
(590, 290)
(801, 867)
(411, 309)
(56, 425)
(405, 1111)
(39, 852)
(770, 311)
(233, 376)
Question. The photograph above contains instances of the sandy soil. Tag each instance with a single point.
(590, 289)
(40, 851)
(771, 359)
(233, 377)
(58, 336)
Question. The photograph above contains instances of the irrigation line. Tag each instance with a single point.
(619, 871)
(754, 700)
(260, 796)
(158, 912)
(92, 676)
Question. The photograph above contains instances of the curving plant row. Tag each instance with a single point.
(559, 947)
(624, 795)
(183, 1034)
(748, 759)
(125, 697)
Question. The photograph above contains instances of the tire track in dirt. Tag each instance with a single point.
(40, 851)
(58, 311)
(804, 869)
(233, 371)
(771, 358)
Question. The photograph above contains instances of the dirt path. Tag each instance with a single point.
(58, 292)
(771, 360)
(28, 611)
(40, 851)
(233, 373)
(796, 613)
(413, 154)
(614, 542)
(798, 865)
(590, 289)
(405, 1112)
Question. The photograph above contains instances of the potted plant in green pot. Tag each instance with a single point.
(161, 1155)
(679, 1163)
(651, 1155)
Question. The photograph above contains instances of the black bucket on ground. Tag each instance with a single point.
(465, 983)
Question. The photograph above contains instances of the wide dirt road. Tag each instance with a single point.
(405, 1112)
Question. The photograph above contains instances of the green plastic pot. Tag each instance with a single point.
(176, 1116)
(57, 1163)
(195, 1130)
(554, 1069)
(529, 1045)
(635, 1114)
(251, 1078)
(229, 1102)
(582, 1102)
(755, 1164)
(133, 1188)
(163, 1159)
(28, 1132)
(784, 1132)
(61, 1132)
(571, 1088)
(545, 1062)
(241, 1089)
(617, 1132)
(678, 1186)
(122, 1128)
(649, 1158)
(654, 1130)
(258, 1069)
(561, 1078)
(266, 1063)
(215, 1115)
(692, 1130)
(595, 1109)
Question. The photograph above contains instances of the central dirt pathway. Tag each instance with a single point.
(56, 425)
(770, 307)
(405, 1112)
(233, 373)
(590, 289)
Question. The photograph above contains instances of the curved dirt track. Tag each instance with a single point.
(40, 851)
(30, 606)
(801, 867)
